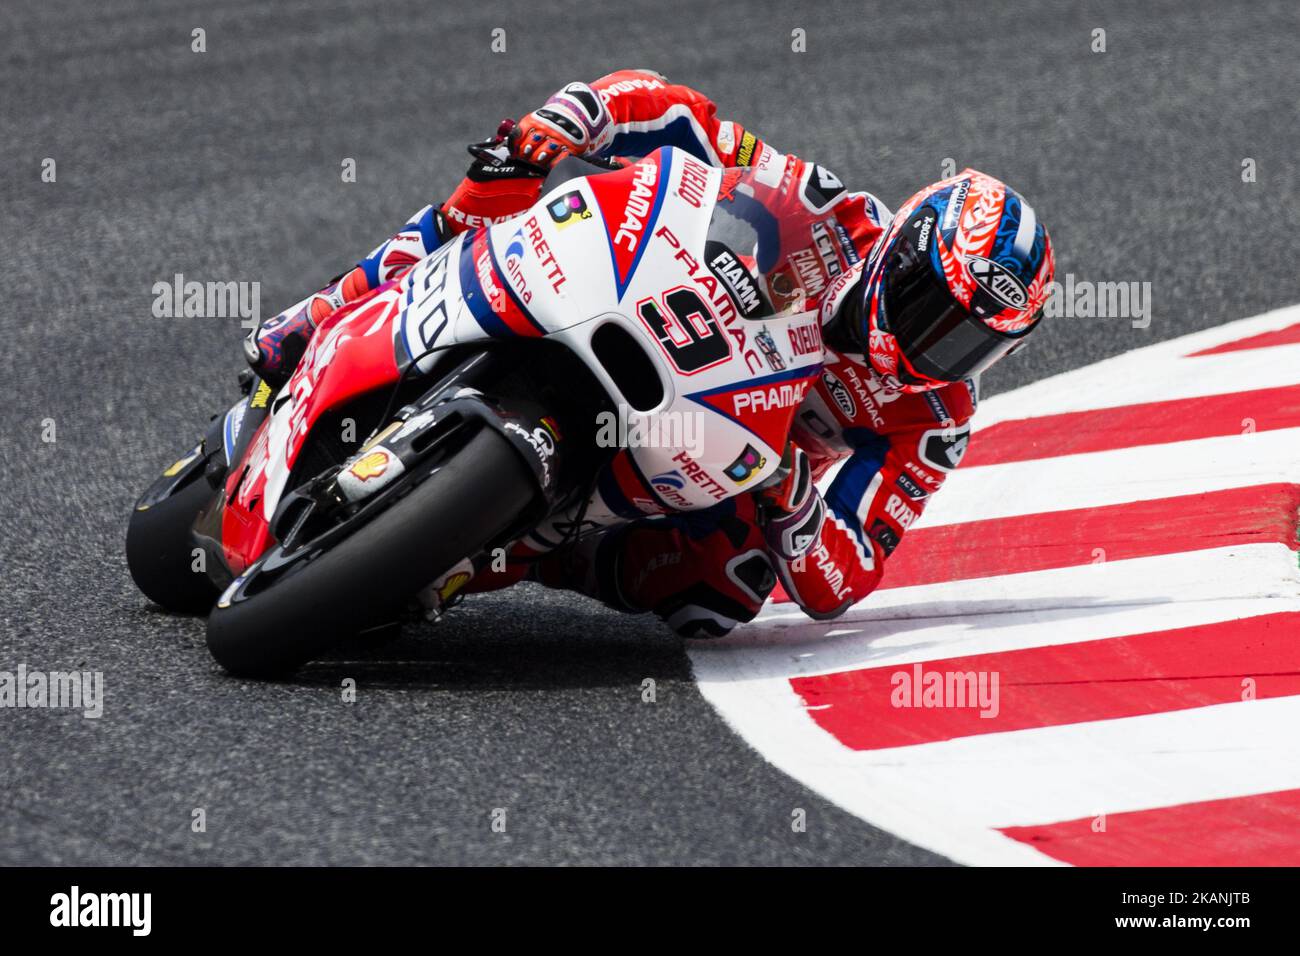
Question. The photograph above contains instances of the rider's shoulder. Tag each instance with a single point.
(960, 399)
(628, 80)
(822, 191)
(948, 406)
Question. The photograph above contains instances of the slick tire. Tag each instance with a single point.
(160, 551)
(452, 514)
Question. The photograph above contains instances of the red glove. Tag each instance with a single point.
(573, 122)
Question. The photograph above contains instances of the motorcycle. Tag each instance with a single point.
(463, 407)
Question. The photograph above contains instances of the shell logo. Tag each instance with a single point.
(453, 584)
(370, 466)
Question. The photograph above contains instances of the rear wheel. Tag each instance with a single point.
(453, 514)
(160, 550)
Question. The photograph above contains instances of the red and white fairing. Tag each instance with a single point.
(627, 247)
(624, 247)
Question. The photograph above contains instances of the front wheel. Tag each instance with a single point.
(160, 550)
(453, 514)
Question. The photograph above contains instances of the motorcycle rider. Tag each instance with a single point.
(912, 307)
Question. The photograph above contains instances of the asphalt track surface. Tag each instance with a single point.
(226, 165)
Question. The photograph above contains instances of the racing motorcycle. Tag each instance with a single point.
(460, 409)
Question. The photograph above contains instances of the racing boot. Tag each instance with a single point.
(275, 347)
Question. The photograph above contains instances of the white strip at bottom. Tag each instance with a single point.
(1070, 771)
(1157, 582)
(1115, 477)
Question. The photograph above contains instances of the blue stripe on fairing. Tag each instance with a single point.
(474, 296)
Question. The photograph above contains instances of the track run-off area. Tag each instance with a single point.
(1087, 649)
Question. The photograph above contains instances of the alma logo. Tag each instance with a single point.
(75, 909)
(670, 485)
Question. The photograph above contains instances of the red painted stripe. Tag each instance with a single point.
(1259, 830)
(1255, 514)
(1150, 423)
(1288, 336)
(1065, 684)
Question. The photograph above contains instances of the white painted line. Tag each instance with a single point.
(1120, 475)
(1275, 367)
(1158, 373)
(1238, 571)
(1049, 774)
(775, 649)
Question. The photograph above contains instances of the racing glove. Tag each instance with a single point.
(573, 122)
(791, 508)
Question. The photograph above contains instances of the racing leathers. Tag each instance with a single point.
(705, 571)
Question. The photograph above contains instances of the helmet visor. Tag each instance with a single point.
(938, 336)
